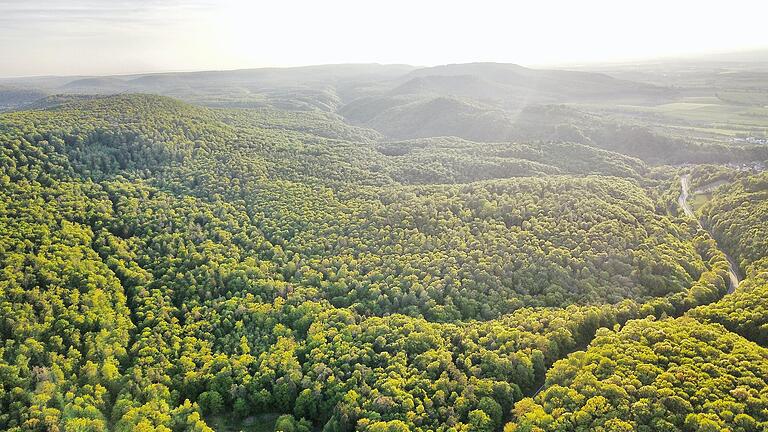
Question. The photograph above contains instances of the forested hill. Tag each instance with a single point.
(689, 374)
(172, 267)
(657, 121)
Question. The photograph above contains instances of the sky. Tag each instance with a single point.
(100, 37)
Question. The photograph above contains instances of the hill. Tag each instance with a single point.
(103, 85)
(663, 114)
(513, 86)
(168, 264)
(12, 97)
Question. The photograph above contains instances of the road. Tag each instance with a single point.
(733, 274)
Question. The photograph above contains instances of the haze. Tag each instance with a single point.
(109, 37)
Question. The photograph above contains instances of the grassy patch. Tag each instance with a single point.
(720, 114)
(744, 97)
(699, 200)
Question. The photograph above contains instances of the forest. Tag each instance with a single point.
(176, 267)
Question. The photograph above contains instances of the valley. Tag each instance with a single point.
(733, 272)
(468, 247)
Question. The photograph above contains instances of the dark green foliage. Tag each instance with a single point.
(744, 312)
(162, 263)
(738, 214)
(651, 375)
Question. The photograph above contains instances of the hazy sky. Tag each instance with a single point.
(67, 37)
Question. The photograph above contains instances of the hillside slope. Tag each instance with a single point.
(167, 264)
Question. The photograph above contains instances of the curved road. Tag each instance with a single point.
(733, 275)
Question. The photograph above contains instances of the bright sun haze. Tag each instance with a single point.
(86, 36)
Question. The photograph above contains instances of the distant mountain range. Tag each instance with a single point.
(487, 102)
(501, 84)
(481, 101)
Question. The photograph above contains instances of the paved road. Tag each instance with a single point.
(733, 274)
(685, 183)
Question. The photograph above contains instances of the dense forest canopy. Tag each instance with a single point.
(386, 249)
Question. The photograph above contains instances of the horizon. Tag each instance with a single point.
(92, 38)
(564, 66)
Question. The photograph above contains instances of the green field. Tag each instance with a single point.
(716, 113)
(699, 200)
